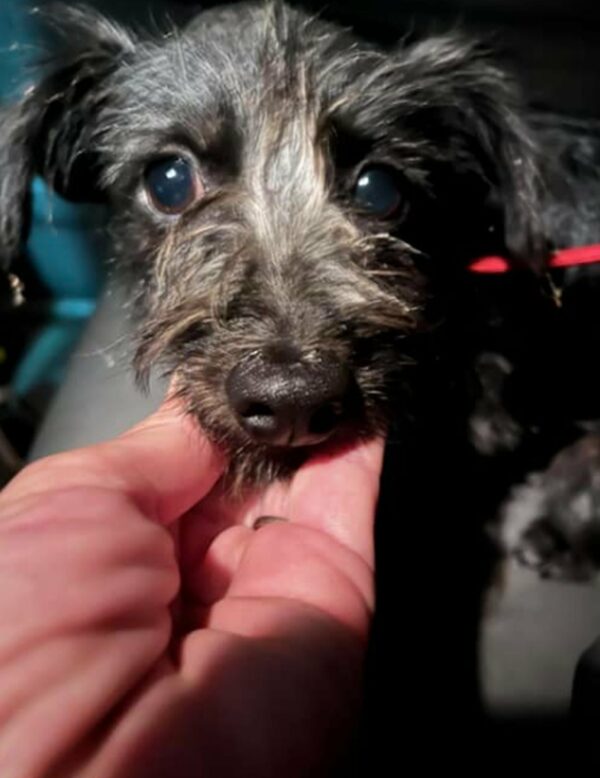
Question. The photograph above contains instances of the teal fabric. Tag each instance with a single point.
(66, 245)
(18, 36)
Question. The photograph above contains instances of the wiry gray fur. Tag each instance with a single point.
(279, 111)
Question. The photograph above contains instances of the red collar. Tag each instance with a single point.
(580, 255)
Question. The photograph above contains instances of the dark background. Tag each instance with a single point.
(552, 44)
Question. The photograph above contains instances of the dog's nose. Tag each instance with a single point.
(282, 400)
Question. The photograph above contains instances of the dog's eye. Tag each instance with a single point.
(377, 191)
(172, 184)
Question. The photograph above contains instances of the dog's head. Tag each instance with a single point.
(282, 193)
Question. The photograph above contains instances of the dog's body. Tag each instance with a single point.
(551, 384)
(296, 210)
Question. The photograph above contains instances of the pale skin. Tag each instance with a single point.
(148, 631)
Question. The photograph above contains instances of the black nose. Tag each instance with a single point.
(284, 402)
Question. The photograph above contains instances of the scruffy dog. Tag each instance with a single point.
(295, 210)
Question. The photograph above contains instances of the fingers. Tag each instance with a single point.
(338, 493)
(322, 555)
(335, 493)
(209, 579)
(164, 465)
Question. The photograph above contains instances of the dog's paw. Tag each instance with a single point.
(552, 523)
(547, 551)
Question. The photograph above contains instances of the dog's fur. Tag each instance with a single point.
(553, 386)
(280, 111)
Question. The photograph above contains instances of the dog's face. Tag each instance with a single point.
(284, 197)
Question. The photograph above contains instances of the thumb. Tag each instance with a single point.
(165, 464)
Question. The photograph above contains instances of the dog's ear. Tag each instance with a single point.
(54, 131)
(452, 90)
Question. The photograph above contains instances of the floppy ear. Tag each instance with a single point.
(473, 112)
(54, 130)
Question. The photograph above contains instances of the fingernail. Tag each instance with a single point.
(262, 521)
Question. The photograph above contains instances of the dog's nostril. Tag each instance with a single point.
(256, 410)
(260, 421)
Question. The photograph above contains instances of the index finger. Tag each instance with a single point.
(164, 465)
(338, 494)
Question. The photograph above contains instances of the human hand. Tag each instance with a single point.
(149, 631)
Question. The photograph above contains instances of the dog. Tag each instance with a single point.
(295, 211)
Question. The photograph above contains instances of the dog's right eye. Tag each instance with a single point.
(172, 184)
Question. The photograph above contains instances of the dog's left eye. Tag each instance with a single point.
(377, 191)
(172, 184)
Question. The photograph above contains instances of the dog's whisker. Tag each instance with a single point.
(395, 273)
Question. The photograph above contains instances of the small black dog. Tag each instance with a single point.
(296, 210)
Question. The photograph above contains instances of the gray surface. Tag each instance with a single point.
(534, 631)
(98, 398)
(533, 636)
